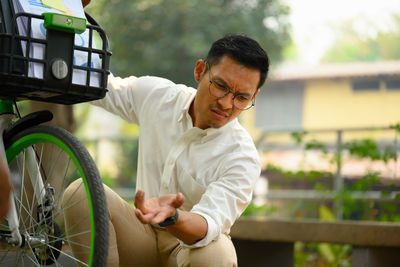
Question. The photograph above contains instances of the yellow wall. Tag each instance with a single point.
(248, 120)
(330, 104)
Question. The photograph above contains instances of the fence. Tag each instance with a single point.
(378, 145)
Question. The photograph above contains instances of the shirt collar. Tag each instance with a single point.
(208, 133)
(211, 133)
(185, 109)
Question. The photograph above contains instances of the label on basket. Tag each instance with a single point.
(68, 7)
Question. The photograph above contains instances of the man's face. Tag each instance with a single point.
(209, 111)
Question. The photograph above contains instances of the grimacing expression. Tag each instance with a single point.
(208, 111)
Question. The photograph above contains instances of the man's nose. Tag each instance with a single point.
(226, 102)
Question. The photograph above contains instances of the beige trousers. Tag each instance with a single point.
(135, 244)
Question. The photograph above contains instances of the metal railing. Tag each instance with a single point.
(335, 146)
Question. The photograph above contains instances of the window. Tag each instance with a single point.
(393, 85)
(368, 85)
(279, 106)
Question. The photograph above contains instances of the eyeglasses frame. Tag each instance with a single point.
(252, 100)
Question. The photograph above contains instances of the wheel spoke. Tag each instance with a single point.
(69, 256)
(60, 160)
(72, 227)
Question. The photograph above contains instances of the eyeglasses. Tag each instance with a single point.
(240, 101)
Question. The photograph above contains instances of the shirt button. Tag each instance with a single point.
(170, 162)
(165, 186)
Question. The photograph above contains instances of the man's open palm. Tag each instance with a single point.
(156, 210)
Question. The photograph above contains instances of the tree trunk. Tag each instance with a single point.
(63, 115)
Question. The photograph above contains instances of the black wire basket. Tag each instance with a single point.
(58, 69)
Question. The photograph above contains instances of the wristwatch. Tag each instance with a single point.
(170, 220)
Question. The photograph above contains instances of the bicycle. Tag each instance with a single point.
(43, 160)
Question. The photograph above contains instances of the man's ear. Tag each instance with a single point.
(199, 70)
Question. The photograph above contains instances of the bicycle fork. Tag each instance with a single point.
(44, 195)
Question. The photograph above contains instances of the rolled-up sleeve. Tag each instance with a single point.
(126, 96)
(227, 197)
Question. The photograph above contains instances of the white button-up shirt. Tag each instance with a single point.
(215, 169)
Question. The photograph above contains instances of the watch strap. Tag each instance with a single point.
(170, 220)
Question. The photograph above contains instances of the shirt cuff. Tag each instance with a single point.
(213, 232)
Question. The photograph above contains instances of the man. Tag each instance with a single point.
(197, 166)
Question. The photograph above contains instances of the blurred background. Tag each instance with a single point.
(326, 123)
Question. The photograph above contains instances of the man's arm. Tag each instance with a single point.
(190, 227)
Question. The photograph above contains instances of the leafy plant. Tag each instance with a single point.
(314, 144)
(331, 255)
(298, 136)
(259, 210)
(322, 254)
(368, 148)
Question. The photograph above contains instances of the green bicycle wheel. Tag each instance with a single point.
(65, 220)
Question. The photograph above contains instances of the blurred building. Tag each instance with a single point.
(322, 100)
(335, 96)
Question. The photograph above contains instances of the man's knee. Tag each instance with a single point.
(76, 190)
(220, 252)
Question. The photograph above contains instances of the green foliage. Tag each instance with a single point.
(395, 127)
(127, 159)
(316, 145)
(310, 145)
(325, 214)
(390, 211)
(359, 209)
(81, 113)
(352, 46)
(355, 209)
(298, 136)
(311, 175)
(259, 210)
(108, 179)
(166, 37)
(368, 148)
(365, 183)
(290, 52)
(322, 254)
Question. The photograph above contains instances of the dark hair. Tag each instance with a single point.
(244, 50)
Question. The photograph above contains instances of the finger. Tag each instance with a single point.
(160, 217)
(178, 201)
(139, 199)
(144, 218)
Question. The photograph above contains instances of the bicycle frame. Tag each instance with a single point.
(39, 189)
(74, 74)
(60, 29)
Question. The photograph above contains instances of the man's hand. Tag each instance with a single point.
(156, 210)
(5, 189)
(189, 228)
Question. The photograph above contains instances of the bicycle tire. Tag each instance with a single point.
(69, 153)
